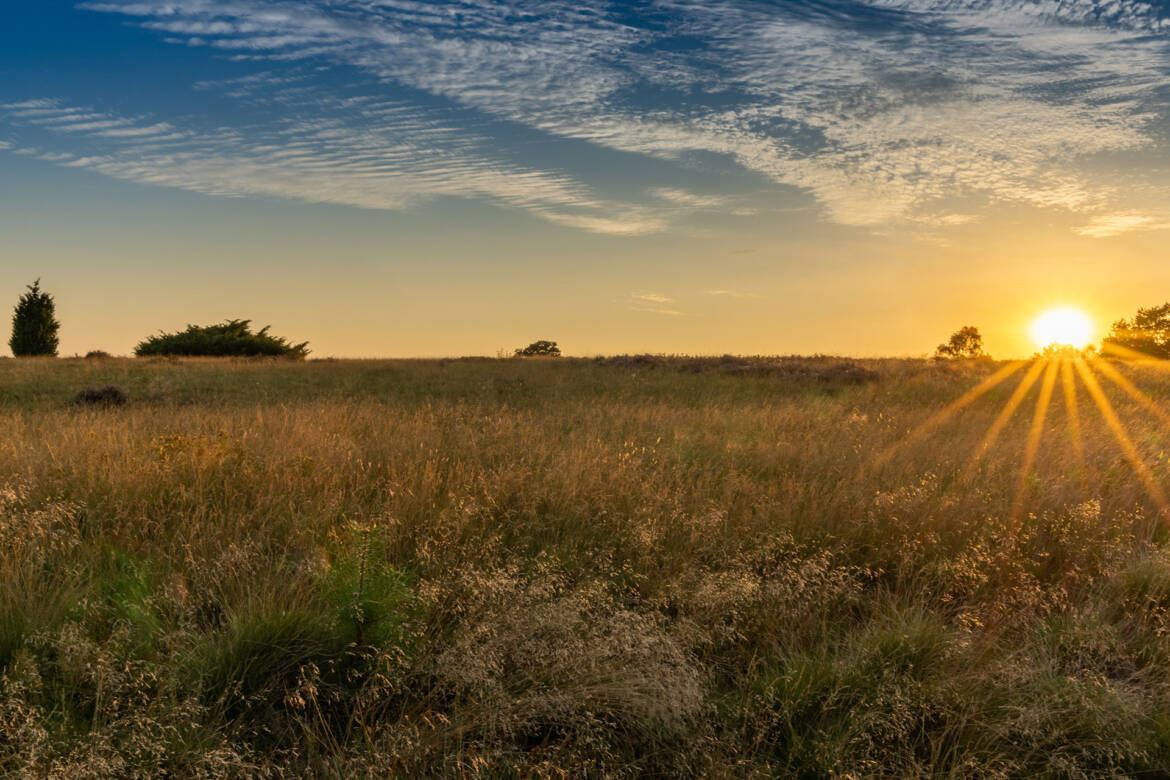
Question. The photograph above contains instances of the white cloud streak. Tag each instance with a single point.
(731, 294)
(658, 310)
(1117, 224)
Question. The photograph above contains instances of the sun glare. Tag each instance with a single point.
(1063, 326)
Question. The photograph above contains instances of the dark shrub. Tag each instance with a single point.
(110, 395)
(540, 348)
(97, 354)
(633, 361)
(847, 374)
(817, 368)
(233, 338)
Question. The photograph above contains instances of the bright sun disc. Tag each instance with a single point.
(1063, 327)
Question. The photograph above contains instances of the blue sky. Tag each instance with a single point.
(678, 170)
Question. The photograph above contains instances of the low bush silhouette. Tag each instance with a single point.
(97, 354)
(110, 395)
(819, 368)
(540, 349)
(847, 373)
(233, 338)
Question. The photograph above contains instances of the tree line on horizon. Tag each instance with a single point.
(35, 331)
(35, 334)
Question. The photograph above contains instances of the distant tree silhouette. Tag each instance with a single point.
(34, 324)
(538, 348)
(964, 343)
(1148, 333)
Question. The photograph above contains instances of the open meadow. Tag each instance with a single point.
(569, 567)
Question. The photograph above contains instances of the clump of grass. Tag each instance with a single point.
(37, 542)
(877, 700)
(535, 662)
(250, 665)
(110, 395)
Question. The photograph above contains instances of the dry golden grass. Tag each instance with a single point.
(578, 568)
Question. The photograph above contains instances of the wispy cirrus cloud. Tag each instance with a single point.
(689, 199)
(879, 109)
(653, 303)
(366, 153)
(1117, 224)
(658, 310)
(730, 294)
(652, 298)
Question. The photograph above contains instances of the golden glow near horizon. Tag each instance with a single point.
(1062, 326)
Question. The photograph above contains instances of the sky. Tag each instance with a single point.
(408, 178)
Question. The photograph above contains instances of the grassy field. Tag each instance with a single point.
(578, 568)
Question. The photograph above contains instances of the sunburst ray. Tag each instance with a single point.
(1034, 435)
(1132, 354)
(1131, 389)
(1001, 421)
(1072, 414)
(950, 410)
(1127, 446)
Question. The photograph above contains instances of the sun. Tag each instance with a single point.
(1062, 326)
